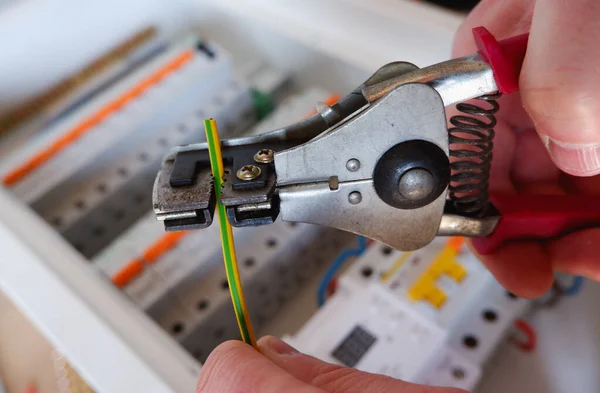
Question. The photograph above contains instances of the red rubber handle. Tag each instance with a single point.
(540, 217)
(505, 57)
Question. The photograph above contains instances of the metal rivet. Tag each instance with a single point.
(353, 165)
(355, 197)
(458, 373)
(248, 172)
(264, 156)
(416, 184)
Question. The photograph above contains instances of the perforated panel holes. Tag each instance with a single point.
(511, 295)
(79, 247)
(182, 128)
(470, 341)
(249, 262)
(177, 327)
(262, 290)
(219, 332)
(162, 142)
(56, 222)
(123, 172)
(490, 316)
(98, 231)
(458, 373)
(143, 156)
(283, 271)
(366, 271)
(202, 305)
(118, 215)
(79, 204)
(385, 250)
(209, 52)
(271, 242)
(101, 188)
(198, 354)
(224, 284)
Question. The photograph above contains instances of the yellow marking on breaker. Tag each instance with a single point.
(425, 288)
(446, 264)
(435, 296)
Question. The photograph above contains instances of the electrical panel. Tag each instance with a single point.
(90, 176)
(395, 312)
(434, 316)
(98, 165)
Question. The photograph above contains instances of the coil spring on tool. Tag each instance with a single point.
(471, 143)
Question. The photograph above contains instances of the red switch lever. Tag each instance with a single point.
(540, 217)
(505, 57)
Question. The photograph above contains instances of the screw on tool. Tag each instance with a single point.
(248, 172)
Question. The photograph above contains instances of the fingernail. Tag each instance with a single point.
(575, 159)
(278, 346)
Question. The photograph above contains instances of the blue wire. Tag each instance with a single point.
(575, 287)
(336, 265)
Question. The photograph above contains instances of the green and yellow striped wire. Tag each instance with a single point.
(229, 256)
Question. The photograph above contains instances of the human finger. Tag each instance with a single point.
(577, 253)
(502, 160)
(503, 18)
(531, 163)
(337, 379)
(522, 267)
(560, 79)
(235, 367)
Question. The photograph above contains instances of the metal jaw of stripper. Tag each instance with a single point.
(375, 164)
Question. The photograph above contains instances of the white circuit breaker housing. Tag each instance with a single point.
(433, 316)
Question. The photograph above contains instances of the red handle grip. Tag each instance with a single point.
(539, 217)
(505, 57)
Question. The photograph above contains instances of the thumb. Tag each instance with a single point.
(235, 367)
(560, 82)
(333, 378)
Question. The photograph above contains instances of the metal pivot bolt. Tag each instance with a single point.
(264, 156)
(411, 174)
(248, 172)
(353, 165)
(355, 197)
(416, 184)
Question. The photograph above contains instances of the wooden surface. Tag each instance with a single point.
(25, 355)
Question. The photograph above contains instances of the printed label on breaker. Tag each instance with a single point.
(354, 346)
